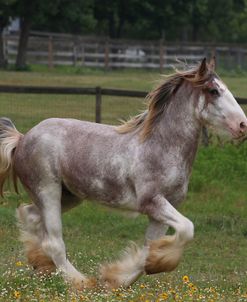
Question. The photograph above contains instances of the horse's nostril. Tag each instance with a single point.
(243, 126)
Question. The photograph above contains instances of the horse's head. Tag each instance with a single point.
(216, 105)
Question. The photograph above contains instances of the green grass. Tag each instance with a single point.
(217, 204)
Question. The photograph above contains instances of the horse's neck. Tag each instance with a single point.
(178, 128)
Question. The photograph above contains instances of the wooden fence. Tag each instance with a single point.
(59, 49)
(97, 91)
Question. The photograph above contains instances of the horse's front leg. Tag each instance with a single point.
(165, 252)
(155, 230)
(161, 253)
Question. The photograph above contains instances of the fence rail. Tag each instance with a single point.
(97, 91)
(59, 49)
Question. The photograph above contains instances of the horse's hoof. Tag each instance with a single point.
(84, 283)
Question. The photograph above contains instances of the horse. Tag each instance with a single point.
(141, 166)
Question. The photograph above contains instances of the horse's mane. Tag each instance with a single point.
(160, 97)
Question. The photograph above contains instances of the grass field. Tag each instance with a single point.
(215, 262)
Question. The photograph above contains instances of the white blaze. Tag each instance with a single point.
(228, 103)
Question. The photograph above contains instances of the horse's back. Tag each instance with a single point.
(53, 136)
(57, 132)
(59, 125)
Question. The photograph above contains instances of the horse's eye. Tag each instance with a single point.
(214, 92)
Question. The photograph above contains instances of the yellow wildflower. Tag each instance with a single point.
(17, 294)
(186, 279)
(142, 286)
(19, 263)
(172, 291)
(164, 296)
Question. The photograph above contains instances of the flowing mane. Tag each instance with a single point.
(160, 97)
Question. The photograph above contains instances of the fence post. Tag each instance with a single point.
(75, 55)
(82, 50)
(98, 106)
(161, 55)
(5, 48)
(106, 54)
(50, 53)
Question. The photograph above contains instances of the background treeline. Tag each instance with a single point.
(172, 20)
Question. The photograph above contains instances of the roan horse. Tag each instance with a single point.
(142, 165)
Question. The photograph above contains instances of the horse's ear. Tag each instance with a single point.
(212, 64)
(203, 68)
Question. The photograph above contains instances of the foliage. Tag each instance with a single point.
(5, 12)
(173, 20)
(67, 16)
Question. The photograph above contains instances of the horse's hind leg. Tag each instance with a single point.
(52, 243)
(31, 234)
(126, 270)
(131, 265)
(49, 232)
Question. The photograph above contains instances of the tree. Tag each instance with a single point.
(56, 15)
(5, 14)
(112, 16)
(28, 11)
(223, 24)
(70, 17)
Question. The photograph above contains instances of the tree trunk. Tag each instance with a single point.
(23, 42)
(3, 60)
(3, 24)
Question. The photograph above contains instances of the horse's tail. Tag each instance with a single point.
(9, 139)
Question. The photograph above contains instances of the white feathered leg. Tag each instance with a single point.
(126, 270)
(53, 244)
(165, 253)
(31, 235)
